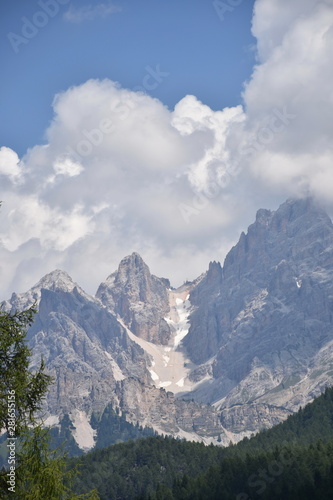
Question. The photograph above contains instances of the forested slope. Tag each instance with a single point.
(293, 460)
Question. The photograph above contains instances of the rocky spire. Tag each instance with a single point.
(139, 298)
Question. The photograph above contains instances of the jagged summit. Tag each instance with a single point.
(139, 298)
(267, 322)
(302, 210)
(132, 260)
(56, 280)
(130, 266)
(252, 337)
(298, 229)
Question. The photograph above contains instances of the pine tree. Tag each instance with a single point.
(37, 472)
(21, 391)
(42, 473)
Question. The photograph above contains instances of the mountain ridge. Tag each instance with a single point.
(253, 337)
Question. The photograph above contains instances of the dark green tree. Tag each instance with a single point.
(21, 391)
(43, 473)
(38, 473)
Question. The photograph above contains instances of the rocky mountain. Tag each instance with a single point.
(96, 360)
(84, 347)
(237, 350)
(139, 298)
(263, 321)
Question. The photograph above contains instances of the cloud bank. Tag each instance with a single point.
(121, 172)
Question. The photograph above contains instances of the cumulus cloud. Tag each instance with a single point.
(90, 12)
(10, 165)
(294, 76)
(121, 172)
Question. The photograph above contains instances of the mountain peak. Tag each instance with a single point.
(133, 260)
(139, 298)
(129, 268)
(57, 280)
(293, 209)
(263, 216)
(290, 211)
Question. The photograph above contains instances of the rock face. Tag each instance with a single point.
(160, 409)
(251, 417)
(252, 338)
(94, 362)
(139, 298)
(83, 345)
(266, 316)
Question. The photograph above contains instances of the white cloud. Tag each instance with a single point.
(190, 116)
(10, 166)
(28, 217)
(121, 172)
(67, 166)
(273, 19)
(295, 75)
(90, 12)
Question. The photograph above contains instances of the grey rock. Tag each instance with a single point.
(252, 417)
(267, 314)
(139, 298)
(156, 407)
(94, 362)
(84, 347)
(259, 345)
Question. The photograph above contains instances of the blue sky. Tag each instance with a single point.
(154, 126)
(202, 54)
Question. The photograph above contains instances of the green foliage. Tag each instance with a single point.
(307, 426)
(113, 428)
(62, 436)
(41, 473)
(27, 388)
(37, 472)
(288, 473)
(292, 461)
(135, 468)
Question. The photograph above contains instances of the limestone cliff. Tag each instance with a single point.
(139, 298)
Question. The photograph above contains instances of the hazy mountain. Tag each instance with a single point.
(239, 349)
(263, 321)
(95, 361)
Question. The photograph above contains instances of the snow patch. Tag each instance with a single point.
(298, 282)
(165, 384)
(166, 360)
(180, 382)
(169, 364)
(180, 336)
(154, 375)
(182, 325)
